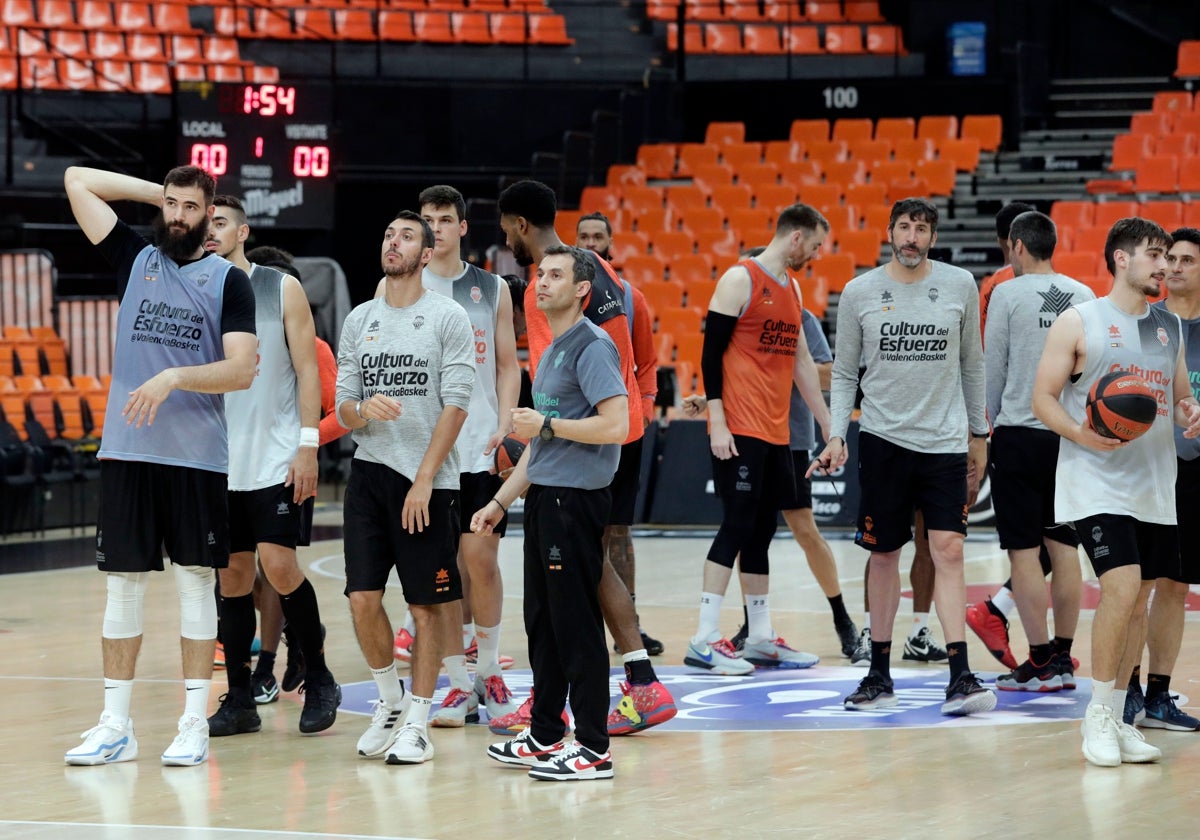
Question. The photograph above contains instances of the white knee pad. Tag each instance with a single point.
(197, 603)
(123, 608)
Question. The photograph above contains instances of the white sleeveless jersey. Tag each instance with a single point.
(264, 420)
(1137, 480)
(478, 292)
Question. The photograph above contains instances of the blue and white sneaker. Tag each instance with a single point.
(190, 745)
(1135, 705)
(109, 741)
(1162, 713)
(719, 657)
(775, 653)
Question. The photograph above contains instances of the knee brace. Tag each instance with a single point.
(754, 551)
(123, 608)
(197, 606)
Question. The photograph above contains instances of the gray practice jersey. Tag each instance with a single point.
(1185, 448)
(420, 355)
(919, 343)
(1019, 316)
(800, 418)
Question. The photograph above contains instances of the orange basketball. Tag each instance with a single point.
(508, 453)
(1122, 406)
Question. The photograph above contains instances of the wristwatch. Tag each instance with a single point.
(547, 433)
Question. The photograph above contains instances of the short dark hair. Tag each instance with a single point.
(273, 257)
(800, 216)
(751, 253)
(192, 176)
(595, 217)
(427, 240)
(917, 209)
(531, 199)
(442, 195)
(233, 203)
(585, 267)
(1186, 234)
(1008, 212)
(1126, 234)
(516, 289)
(1037, 232)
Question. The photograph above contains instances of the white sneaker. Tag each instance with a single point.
(718, 657)
(384, 728)
(1134, 749)
(412, 746)
(190, 745)
(775, 653)
(495, 694)
(458, 709)
(1100, 743)
(108, 741)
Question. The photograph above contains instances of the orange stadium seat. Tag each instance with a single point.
(801, 40)
(173, 18)
(875, 219)
(862, 11)
(433, 27)
(144, 46)
(719, 243)
(1157, 174)
(710, 176)
(1076, 264)
(688, 349)
(782, 152)
(751, 226)
(823, 11)
(826, 152)
(723, 38)
(509, 28)
(550, 30)
(471, 27)
(845, 40)
(774, 197)
(652, 219)
(1189, 175)
(1169, 101)
(868, 151)
(692, 155)
(620, 174)
(987, 129)
(885, 40)
(1129, 149)
(642, 269)
(938, 174)
(820, 195)
(669, 244)
(685, 195)
(1179, 145)
(801, 172)
(663, 295)
(700, 218)
(681, 320)
(937, 128)
(1149, 122)
(629, 243)
(133, 16)
(846, 172)
(743, 10)
(91, 14)
(758, 173)
(862, 244)
(865, 195)
(1073, 214)
(918, 149)
(835, 270)
(1091, 238)
(1169, 214)
(1108, 212)
(17, 12)
(692, 268)
(636, 199)
(732, 197)
(964, 152)
(1187, 63)
(895, 128)
(657, 160)
(762, 39)
(600, 199)
(396, 25)
(151, 77)
(741, 156)
(886, 173)
(809, 131)
(852, 130)
(1191, 214)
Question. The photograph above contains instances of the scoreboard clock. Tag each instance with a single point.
(270, 145)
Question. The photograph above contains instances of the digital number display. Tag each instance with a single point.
(270, 145)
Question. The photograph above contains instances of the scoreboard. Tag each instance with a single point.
(271, 145)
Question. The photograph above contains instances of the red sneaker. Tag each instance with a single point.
(641, 707)
(219, 656)
(992, 629)
(518, 721)
(403, 645)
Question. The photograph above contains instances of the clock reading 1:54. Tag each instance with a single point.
(268, 100)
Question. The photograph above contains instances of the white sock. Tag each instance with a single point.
(456, 669)
(418, 712)
(1118, 702)
(710, 618)
(196, 697)
(920, 622)
(410, 623)
(468, 634)
(866, 621)
(391, 690)
(758, 619)
(1003, 601)
(1102, 694)
(634, 656)
(489, 649)
(117, 697)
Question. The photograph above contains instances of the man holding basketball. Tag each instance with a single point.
(1129, 536)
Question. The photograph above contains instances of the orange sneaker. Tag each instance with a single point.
(518, 721)
(641, 707)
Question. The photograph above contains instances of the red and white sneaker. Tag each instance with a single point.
(574, 762)
(458, 709)
(472, 654)
(402, 649)
(519, 721)
(522, 750)
(992, 630)
(641, 707)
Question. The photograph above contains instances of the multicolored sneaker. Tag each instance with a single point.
(992, 629)
(264, 687)
(718, 657)
(641, 707)
(1162, 713)
(402, 647)
(923, 648)
(1030, 677)
(472, 654)
(458, 709)
(495, 695)
(967, 696)
(775, 653)
(522, 750)
(574, 762)
(109, 741)
(518, 721)
(1135, 705)
(873, 692)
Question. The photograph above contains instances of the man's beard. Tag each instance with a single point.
(402, 267)
(521, 254)
(179, 246)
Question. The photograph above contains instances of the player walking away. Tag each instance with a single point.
(574, 448)
(272, 479)
(184, 337)
(1024, 455)
(1120, 496)
(913, 324)
(405, 370)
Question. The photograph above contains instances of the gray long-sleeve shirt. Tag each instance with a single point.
(919, 342)
(420, 355)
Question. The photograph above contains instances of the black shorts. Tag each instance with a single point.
(1022, 464)
(145, 508)
(267, 515)
(1187, 502)
(800, 497)
(1114, 540)
(376, 542)
(895, 481)
(760, 471)
(624, 486)
(475, 490)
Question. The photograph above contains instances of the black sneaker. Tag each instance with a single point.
(1030, 677)
(967, 696)
(923, 648)
(1066, 669)
(236, 715)
(322, 695)
(264, 687)
(294, 673)
(739, 638)
(653, 646)
(847, 636)
(873, 692)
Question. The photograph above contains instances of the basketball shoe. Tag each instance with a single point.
(236, 715)
(847, 637)
(738, 640)
(967, 696)
(1133, 746)
(922, 648)
(641, 707)
(775, 653)
(412, 746)
(574, 762)
(1030, 677)
(1066, 669)
(719, 657)
(322, 696)
(109, 741)
(873, 692)
(495, 694)
(991, 627)
(402, 648)
(1135, 705)
(297, 669)
(522, 750)
(1162, 713)
(472, 654)
(264, 687)
(190, 745)
(862, 654)
(384, 728)
(518, 721)
(1099, 730)
(458, 709)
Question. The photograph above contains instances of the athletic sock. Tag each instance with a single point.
(881, 658)
(1002, 602)
(304, 616)
(468, 633)
(1118, 702)
(1102, 693)
(957, 652)
(710, 617)
(920, 622)
(840, 617)
(391, 690)
(195, 697)
(237, 632)
(418, 712)
(1062, 644)
(456, 670)
(758, 619)
(489, 648)
(638, 668)
(1040, 654)
(1157, 684)
(266, 662)
(117, 697)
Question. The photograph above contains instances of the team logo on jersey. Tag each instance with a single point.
(202, 280)
(1055, 300)
(1162, 337)
(476, 294)
(886, 297)
(283, 509)
(933, 295)
(418, 322)
(1114, 336)
(374, 327)
(558, 360)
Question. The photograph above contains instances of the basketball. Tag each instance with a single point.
(1121, 406)
(508, 453)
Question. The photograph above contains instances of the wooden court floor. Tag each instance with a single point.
(725, 768)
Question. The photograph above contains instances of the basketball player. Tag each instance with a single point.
(406, 366)
(1129, 533)
(593, 233)
(913, 324)
(527, 211)
(567, 469)
(184, 337)
(1024, 454)
(272, 478)
(753, 352)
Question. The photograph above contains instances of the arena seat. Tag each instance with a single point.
(987, 129)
